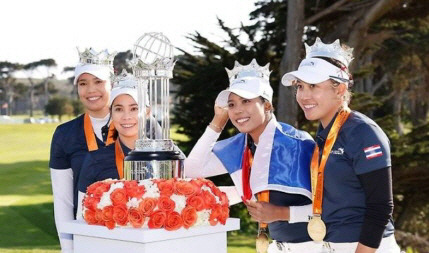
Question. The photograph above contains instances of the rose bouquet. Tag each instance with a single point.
(155, 203)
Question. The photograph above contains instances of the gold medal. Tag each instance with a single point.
(262, 242)
(316, 228)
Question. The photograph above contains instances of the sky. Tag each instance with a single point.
(32, 30)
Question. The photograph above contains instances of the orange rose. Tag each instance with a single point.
(166, 204)
(90, 202)
(99, 217)
(91, 189)
(133, 189)
(189, 216)
(136, 217)
(147, 205)
(196, 201)
(185, 188)
(166, 187)
(215, 214)
(107, 213)
(119, 197)
(101, 188)
(224, 201)
(120, 215)
(197, 182)
(157, 219)
(110, 224)
(209, 199)
(174, 221)
(215, 191)
(224, 215)
(89, 217)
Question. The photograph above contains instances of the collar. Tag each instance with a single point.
(125, 149)
(322, 133)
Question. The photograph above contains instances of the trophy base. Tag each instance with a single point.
(139, 165)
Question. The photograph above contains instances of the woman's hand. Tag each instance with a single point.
(220, 119)
(266, 213)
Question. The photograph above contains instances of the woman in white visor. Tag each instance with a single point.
(268, 161)
(351, 164)
(74, 139)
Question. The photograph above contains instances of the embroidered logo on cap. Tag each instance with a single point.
(373, 152)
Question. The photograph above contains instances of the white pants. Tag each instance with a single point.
(387, 245)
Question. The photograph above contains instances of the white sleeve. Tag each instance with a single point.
(79, 214)
(300, 213)
(62, 189)
(202, 162)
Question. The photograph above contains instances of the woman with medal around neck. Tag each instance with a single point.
(108, 162)
(74, 139)
(351, 167)
(268, 161)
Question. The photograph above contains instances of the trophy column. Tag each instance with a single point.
(155, 154)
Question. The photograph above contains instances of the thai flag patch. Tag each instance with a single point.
(373, 152)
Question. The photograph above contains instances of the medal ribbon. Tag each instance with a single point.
(263, 196)
(317, 172)
(119, 159)
(110, 139)
(91, 142)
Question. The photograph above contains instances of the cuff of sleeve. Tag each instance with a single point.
(212, 134)
(371, 235)
(299, 213)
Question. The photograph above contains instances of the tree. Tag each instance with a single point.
(30, 68)
(10, 88)
(390, 71)
(59, 106)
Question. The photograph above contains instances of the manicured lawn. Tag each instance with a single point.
(26, 210)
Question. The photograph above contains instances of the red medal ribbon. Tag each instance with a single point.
(263, 196)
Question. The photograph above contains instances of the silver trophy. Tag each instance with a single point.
(155, 155)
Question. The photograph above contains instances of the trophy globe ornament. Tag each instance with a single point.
(155, 154)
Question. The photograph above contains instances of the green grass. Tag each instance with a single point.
(26, 209)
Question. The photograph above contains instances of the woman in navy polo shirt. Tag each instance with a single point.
(74, 139)
(268, 161)
(107, 162)
(351, 166)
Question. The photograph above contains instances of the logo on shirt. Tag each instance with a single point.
(339, 151)
(373, 152)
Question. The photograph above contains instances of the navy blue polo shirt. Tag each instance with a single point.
(361, 147)
(99, 165)
(283, 231)
(68, 150)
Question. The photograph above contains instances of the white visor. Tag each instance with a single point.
(100, 71)
(315, 70)
(123, 90)
(246, 87)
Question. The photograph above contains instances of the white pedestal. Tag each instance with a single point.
(92, 238)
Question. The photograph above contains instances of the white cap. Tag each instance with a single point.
(246, 87)
(315, 70)
(100, 71)
(123, 90)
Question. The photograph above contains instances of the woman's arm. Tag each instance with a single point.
(201, 161)
(379, 207)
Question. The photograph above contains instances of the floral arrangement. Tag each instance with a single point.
(155, 203)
